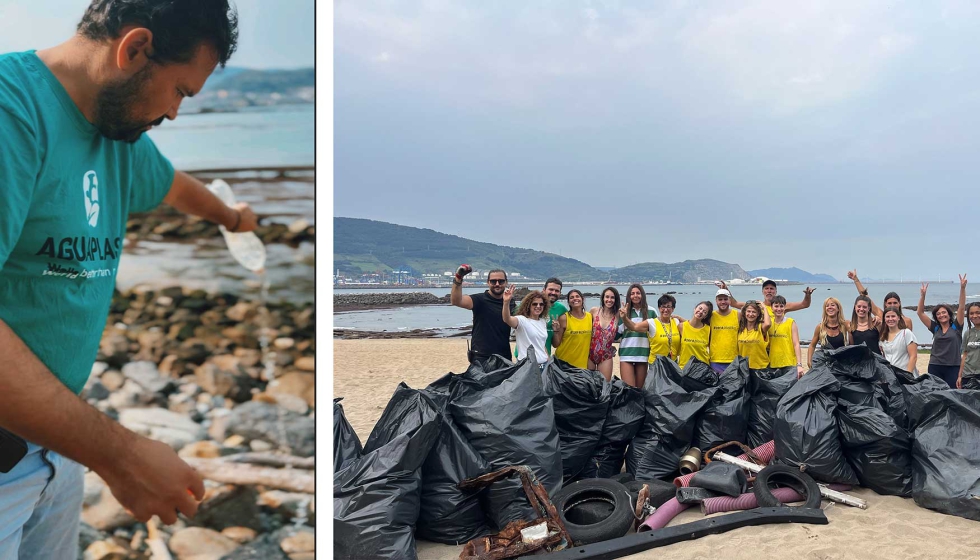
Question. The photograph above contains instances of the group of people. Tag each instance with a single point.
(716, 333)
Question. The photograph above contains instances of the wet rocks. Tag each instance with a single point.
(174, 429)
(263, 421)
(200, 543)
(186, 368)
(352, 302)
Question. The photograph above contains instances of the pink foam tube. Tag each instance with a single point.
(746, 501)
(766, 452)
(660, 518)
(684, 481)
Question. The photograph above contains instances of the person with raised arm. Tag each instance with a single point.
(604, 328)
(753, 334)
(634, 347)
(970, 362)
(864, 324)
(769, 291)
(491, 335)
(898, 344)
(696, 335)
(784, 339)
(530, 323)
(891, 300)
(574, 332)
(944, 360)
(724, 331)
(833, 331)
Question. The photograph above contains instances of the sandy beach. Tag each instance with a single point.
(366, 373)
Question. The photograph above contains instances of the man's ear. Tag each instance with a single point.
(134, 50)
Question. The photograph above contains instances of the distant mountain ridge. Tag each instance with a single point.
(234, 88)
(792, 274)
(364, 246)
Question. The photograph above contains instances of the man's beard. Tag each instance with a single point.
(114, 107)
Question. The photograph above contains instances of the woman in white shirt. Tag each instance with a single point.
(530, 322)
(898, 344)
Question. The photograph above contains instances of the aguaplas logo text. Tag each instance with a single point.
(82, 248)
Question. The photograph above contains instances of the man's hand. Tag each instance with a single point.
(462, 271)
(808, 291)
(247, 220)
(152, 480)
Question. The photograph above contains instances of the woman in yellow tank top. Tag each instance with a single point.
(753, 335)
(784, 339)
(697, 334)
(665, 332)
(576, 332)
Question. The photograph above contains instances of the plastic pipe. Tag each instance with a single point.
(684, 481)
(746, 501)
(660, 518)
(766, 452)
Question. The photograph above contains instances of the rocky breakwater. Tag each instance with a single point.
(187, 368)
(361, 302)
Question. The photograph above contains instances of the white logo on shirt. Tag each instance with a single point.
(90, 186)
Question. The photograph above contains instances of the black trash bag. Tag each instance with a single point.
(623, 421)
(971, 383)
(726, 418)
(508, 419)
(346, 446)
(448, 515)
(691, 495)
(914, 387)
(945, 453)
(671, 419)
(879, 450)
(889, 393)
(767, 386)
(723, 478)
(581, 403)
(856, 370)
(376, 498)
(805, 429)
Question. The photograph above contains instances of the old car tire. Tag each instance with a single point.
(786, 476)
(586, 500)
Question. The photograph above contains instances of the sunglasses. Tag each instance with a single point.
(495, 281)
(537, 305)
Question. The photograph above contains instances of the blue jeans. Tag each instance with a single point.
(40, 505)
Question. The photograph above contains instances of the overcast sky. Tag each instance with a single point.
(823, 135)
(272, 33)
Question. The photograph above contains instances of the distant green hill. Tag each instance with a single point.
(687, 271)
(364, 246)
(368, 246)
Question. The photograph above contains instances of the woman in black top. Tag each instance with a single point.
(832, 332)
(864, 324)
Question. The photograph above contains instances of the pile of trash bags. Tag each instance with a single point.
(853, 418)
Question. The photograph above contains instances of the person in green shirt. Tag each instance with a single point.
(552, 289)
(74, 163)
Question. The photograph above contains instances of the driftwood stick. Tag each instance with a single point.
(219, 470)
(277, 460)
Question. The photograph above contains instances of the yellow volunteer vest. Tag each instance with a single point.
(752, 345)
(694, 342)
(574, 347)
(664, 339)
(724, 337)
(782, 352)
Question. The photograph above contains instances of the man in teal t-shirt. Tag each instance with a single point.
(74, 163)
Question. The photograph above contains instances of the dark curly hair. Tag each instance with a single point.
(525, 307)
(179, 27)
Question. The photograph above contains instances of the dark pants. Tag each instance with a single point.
(946, 373)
